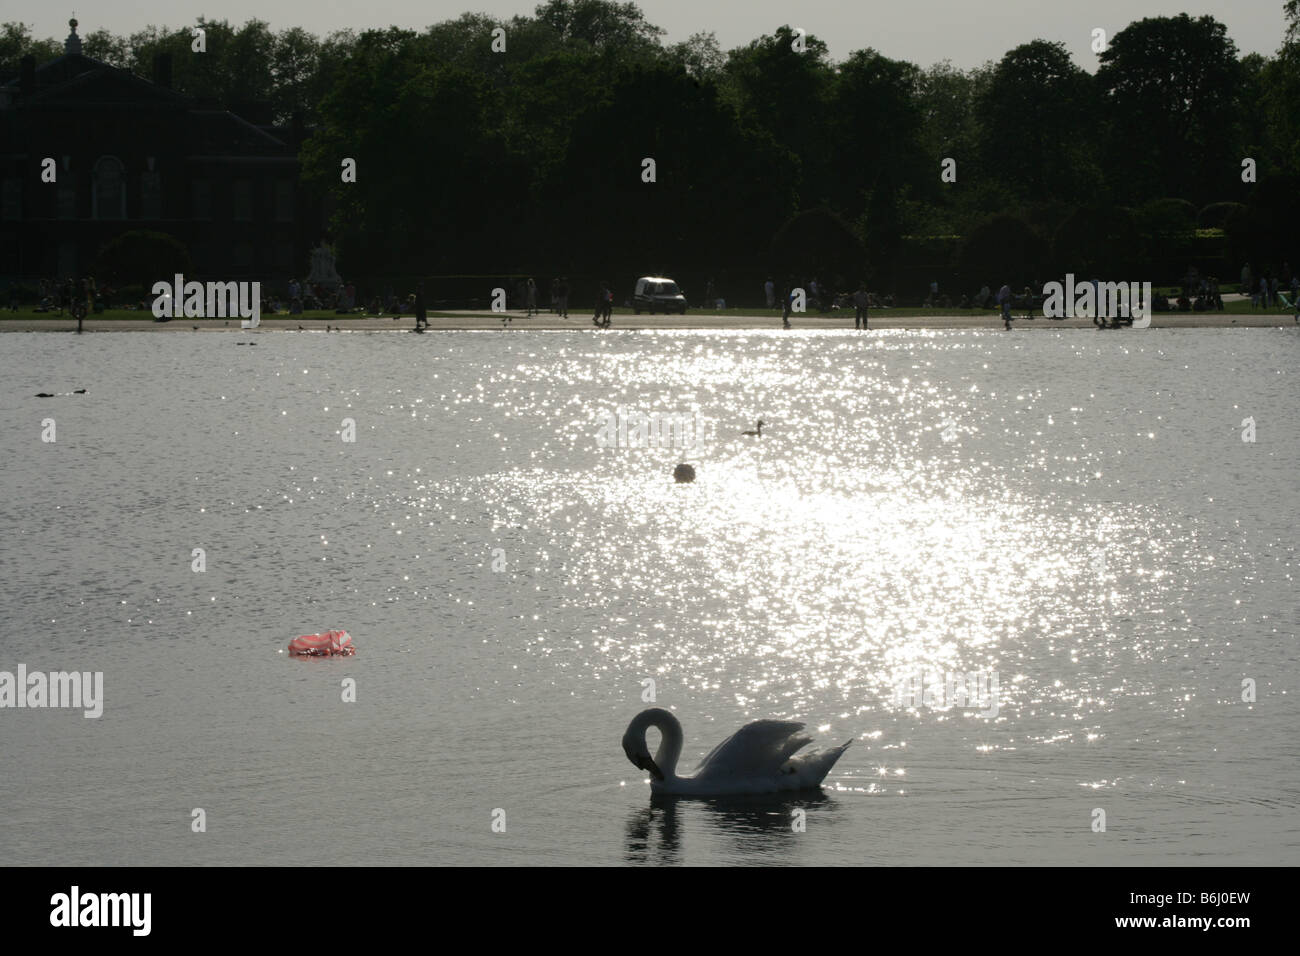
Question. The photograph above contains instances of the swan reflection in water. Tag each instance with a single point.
(758, 825)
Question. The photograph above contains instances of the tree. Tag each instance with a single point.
(16, 42)
(107, 48)
(141, 257)
(818, 243)
(786, 94)
(1167, 217)
(946, 103)
(1216, 214)
(1038, 121)
(718, 186)
(1098, 240)
(438, 187)
(875, 126)
(236, 72)
(1278, 100)
(699, 55)
(603, 24)
(1002, 249)
(1265, 231)
(294, 68)
(1169, 83)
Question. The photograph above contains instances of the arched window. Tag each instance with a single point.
(108, 189)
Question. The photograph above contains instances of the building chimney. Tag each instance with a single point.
(27, 77)
(73, 43)
(162, 70)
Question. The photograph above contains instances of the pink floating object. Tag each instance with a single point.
(329, 644)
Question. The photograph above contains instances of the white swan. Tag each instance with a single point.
(758, 758)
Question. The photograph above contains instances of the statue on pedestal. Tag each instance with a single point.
(322, 272)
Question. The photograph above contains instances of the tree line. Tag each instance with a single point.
(768, 158)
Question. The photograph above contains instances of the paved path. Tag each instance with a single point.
(470, 321)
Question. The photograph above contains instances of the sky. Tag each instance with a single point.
(965, 32)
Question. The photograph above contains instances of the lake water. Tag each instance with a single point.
(1073, 514)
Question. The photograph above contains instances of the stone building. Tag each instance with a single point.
(133, 154)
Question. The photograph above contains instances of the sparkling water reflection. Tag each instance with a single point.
(1073, 514)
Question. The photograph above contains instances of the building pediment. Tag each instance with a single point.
(84, 82)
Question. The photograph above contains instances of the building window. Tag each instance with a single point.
(108, 189)
(150, 195)
(11, 200)
(241, 201)
(200, 199)
(66, 203)
(284, 200)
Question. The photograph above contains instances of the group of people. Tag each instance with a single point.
(302, 296)
(817, 295)
(75, 296)
(1268, 289)
(1198, 294)
(525, 293)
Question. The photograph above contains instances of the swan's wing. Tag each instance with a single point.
(759, 748)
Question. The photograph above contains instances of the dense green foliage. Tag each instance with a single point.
(768, 158)
(142, 256)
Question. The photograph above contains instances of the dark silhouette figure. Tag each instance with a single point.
(421, 315)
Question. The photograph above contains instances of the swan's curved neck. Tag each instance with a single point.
(670, 747)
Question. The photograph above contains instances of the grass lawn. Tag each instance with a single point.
(138, 315)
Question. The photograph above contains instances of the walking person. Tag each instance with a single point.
(562, 296)
(609, 304)
(860, 300)
(421, 316)
(1004, 300)
(530, 296)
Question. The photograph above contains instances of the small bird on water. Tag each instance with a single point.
(758, 431)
